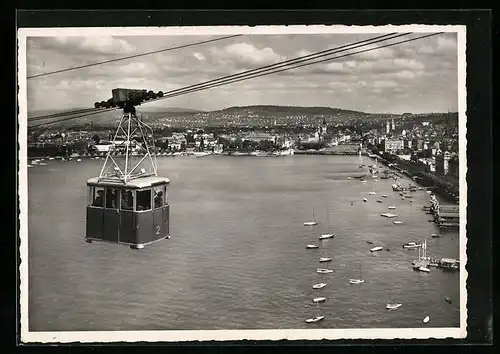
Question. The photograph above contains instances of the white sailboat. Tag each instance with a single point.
(365, 200)
(316, 318)
(393, 306)
(359, 280)
(397, 222)
(311, 246)
(313, 222)
(324, 270)
(319, 286)
(412, 245)
(426, 319)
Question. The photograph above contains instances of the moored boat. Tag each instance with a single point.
(393, 306)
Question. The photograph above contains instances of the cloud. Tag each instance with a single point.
(199, 56)
(415, 76)
(97, 44)
(249, 54)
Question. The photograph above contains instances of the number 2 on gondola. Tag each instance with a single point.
(158, 229)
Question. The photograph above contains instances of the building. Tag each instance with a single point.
(442, 163)
(387, 127)
(393, 126)
(393, 145)
(453, 166)
(324, 127)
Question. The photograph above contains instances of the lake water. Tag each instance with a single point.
(237, 256)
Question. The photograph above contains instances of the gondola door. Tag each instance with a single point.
(158, 203)
(111, 217)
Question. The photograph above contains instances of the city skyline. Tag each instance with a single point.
(415, 77)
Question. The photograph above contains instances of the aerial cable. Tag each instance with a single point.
(267, 67)
(133, 56)
(223, 81)
(298, 59)
(203, 86)
(307, 58)
(72, 117)
(59, 114)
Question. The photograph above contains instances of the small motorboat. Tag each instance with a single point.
(391, 207)
(310, 223)
(79, 160)
(325, 259)
(379, 201)
(447, 299)
(319, 299)
(372, 193)
(319, 286)
(324, 270)
(384, 195)
(315, 319)
(356, 281)
(426, 319)
(402, 198)
(434, 235)
(411, 245)
(388, 250)
(393, 306)
(363, 181)
(311, 246)
(369, 242)
(326, 236)
(365, 200)
(397, 222)
(375, 249)
(424, 269)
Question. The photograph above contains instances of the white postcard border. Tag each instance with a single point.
(231, 335)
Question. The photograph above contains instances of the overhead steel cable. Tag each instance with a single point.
(266, 67)
(242, 76)
(133, 56)
(255, 72)
(203, 86)
(59, 114)
(72, 117)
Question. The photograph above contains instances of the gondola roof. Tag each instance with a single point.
(135, 183)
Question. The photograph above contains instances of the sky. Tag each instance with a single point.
(414, 77)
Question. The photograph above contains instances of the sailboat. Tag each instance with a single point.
(357, 281)
(319, 286)
(311, 223)
(426, 319)
(324, 270)
(318, 317)
(393, 306)
(422, 263)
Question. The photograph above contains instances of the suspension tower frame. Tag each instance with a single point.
(131, 128)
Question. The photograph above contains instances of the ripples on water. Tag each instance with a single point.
(237, 257)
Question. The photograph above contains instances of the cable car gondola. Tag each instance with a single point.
(128, 204)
